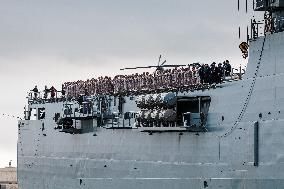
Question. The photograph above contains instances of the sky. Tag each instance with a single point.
(49, 42)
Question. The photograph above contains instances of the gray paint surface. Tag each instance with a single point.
(223, 157)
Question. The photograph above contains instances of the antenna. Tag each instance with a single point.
(253, 4)
(239, 32)
(247, 34)
(238, 5)
(246, 6)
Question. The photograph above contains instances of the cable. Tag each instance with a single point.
(241, 115)
(9, 115)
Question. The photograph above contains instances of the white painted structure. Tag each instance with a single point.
(8, 178)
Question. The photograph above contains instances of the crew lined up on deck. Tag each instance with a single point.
(214, 74)
(123, 84)
(161, 80)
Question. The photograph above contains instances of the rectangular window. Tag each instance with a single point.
(194, 105)
(41, 113)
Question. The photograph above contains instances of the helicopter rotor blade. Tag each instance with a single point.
(165, 66)
(173, 65)
(134, 68)
(144, 67)
(161, 66)
(163, 63)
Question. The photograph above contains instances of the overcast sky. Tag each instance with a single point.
(52, 41)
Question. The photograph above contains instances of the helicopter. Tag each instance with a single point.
(159, 67)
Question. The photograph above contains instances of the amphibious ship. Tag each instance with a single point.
(223, 135)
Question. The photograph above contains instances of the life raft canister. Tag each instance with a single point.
(244, 48)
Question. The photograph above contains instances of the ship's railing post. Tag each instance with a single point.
(199, 104)
(240, 77)
(112, 120)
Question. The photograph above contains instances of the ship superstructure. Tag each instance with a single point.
(222, 135)
(8, 177)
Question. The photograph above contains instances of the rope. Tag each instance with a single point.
(9, 115)
(242, 113)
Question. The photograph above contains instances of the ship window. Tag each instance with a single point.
(114, 101)
(121, 101)
(68, 109)
(41, 113)
(192, 105)
(32, 114)
(56, 116)
(35, 114)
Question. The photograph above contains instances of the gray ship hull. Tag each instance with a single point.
(226, 156)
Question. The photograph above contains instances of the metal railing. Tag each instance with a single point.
(41, 97)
